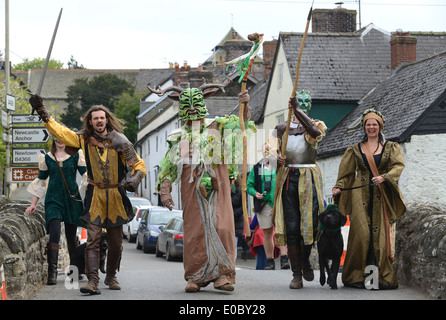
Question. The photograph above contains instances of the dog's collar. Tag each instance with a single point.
(323, 228)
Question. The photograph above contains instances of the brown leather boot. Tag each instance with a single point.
(72, 246)
(113, 257)
(308, 273)
(52, 255)
(295, 257)
(91, 268)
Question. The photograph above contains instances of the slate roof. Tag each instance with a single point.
(345, 66)
(339, 66)
(257, 94)
(403, 99)
(429, 43)
(153, 76)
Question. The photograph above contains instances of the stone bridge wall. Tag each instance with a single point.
(23, 241)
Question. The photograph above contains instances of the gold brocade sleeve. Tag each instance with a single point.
(396, 164)
(346, 177)
(64, 134)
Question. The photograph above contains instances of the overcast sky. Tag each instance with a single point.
(143, 34)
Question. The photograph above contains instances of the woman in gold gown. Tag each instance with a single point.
(372, 168)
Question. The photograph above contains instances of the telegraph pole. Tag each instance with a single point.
(7, 88)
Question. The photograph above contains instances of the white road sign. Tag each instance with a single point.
(26, 155)
(30, 135)
(5, 137)
(10, 102)
(5, 119)
(25, 119)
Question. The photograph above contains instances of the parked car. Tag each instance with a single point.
(140, 201)
(170, 240)
(139, 205)
(149, 226)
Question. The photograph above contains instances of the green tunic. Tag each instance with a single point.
(367, 238)
(58, 203)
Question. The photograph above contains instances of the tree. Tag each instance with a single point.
(104, 89)
(73, 64)
(127, 108)
(36, 63)
(21, 94)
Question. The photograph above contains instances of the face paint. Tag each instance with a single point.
(192, 106)
(304, 99)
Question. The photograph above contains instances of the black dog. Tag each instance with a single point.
(78, 256)
(330, 244)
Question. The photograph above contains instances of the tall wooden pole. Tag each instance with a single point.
(290, 111)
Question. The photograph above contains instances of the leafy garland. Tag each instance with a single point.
(374, 111)
(212, 147)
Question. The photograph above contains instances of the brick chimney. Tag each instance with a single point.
(333, 20)
(269, 51)
(403, 48)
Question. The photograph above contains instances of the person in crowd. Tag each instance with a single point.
(195, 156)
(261, 186)
(367, 189)
(56, 183)
(299, 196)
(108, 153)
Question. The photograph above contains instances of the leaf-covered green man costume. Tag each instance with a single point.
(200, 151)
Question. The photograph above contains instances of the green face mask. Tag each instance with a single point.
(304, 99)
(192, 106)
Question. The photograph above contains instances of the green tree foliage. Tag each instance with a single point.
(21, 94)
(84, 93)
(127, 108)
(36, 63)
(73, 64)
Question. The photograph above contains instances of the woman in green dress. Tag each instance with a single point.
(372, 168)
(61, 205)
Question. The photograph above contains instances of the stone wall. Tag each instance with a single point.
(421, 248)
(22, 246)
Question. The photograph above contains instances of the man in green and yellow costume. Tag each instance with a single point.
(202, 155)
(107, 153)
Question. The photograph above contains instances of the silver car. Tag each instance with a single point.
(139, 205)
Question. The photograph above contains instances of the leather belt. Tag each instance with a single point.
(310, 165)
(101, 185)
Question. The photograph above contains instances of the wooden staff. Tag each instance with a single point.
(257, 39)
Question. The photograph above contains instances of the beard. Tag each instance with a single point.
(99, 130)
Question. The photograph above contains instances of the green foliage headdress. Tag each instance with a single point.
(191, 100)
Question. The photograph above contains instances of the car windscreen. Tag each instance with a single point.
(164, 216)
(140, 201)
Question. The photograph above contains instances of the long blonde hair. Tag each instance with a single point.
(114, 123)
